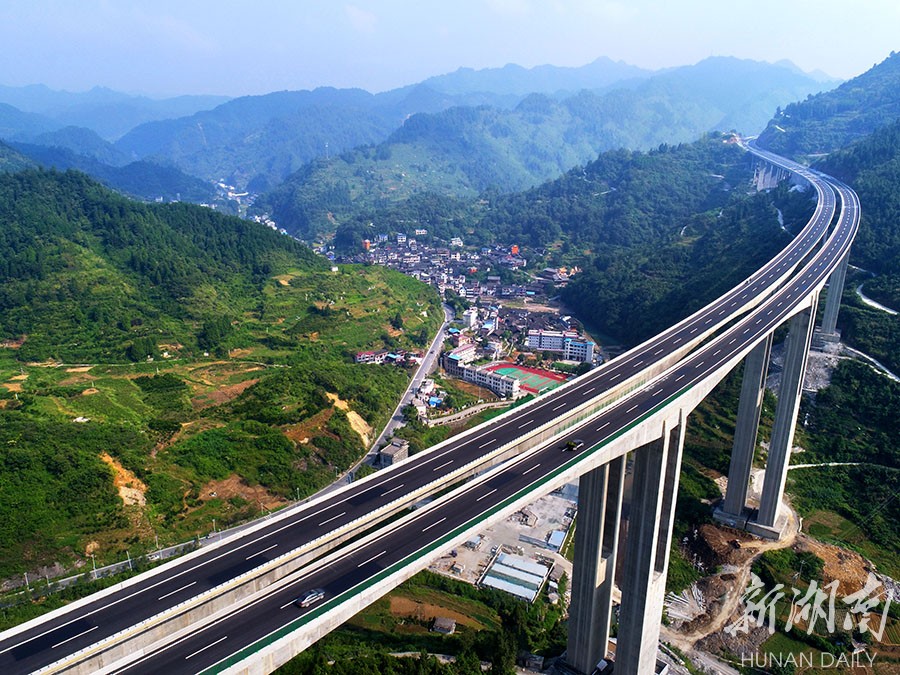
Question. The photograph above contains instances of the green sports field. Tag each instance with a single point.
(531, 379)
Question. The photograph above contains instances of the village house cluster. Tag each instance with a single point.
(454, 267)
(487, 332)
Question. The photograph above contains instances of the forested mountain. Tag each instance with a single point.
(12, 160)
(88, 274)
(259, 140)
(638, 291)
(857, 127)
(461, 152)
(832, 120)
(652, 231)
(872, 167)
(81, 141)
(142, 179)
(108, 113)
(658, 233)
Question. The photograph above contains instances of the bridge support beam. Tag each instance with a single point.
(656, 471)
(833, 300)
(796, 353)
(753, 389)
(593, 572)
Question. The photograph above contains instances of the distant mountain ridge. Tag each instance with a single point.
(547, 79)
(464, 151)
(259, 140)
(141, 179)
(255, 142)
(82, 141)
(108, 113)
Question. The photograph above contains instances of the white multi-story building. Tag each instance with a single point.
(579, 350)
(548, 340)
(465, 353)
(502, 385)
(567, 342)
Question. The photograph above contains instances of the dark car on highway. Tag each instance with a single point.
(310, 597)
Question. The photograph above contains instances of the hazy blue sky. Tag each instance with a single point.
(228, 47)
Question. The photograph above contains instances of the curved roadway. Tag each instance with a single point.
(42, 643)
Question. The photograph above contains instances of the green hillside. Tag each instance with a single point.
(872, 167)
(832, 120)
(162, 367)
(86, 274)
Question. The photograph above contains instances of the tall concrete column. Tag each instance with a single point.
(593, 571)
(753, 389)
(796, 353)
(643, 583)
(833, 297)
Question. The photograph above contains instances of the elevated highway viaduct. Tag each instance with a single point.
(228, 607)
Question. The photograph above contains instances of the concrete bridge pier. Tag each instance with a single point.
(733, 509)
(768, 176)
(596, 544)
(652, 511)
(767, 523)
(828, 331)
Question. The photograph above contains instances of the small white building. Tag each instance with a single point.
(470, 318)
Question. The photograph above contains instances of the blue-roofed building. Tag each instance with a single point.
(556, 539)
(517, 576)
